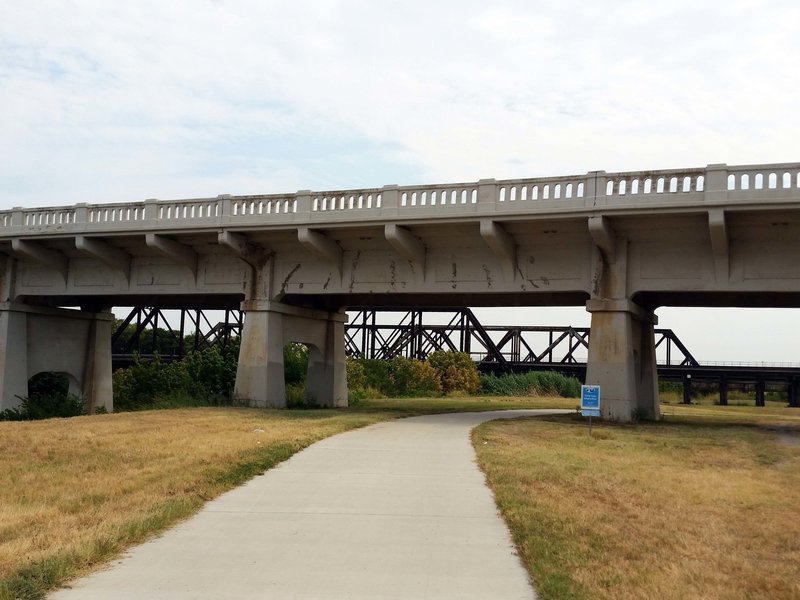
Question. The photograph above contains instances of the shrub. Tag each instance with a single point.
(295, 363)
(545, 383)
(44, 407)
(141, 385)
(456, 372)
(355, 397)
(356, 375)
(411, 377)
(56, 405)
(48, 383)
(376, 373)
(295, 395)
(201, 378)
(208, 375)
(48, 397)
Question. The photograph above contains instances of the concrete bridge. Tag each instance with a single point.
(620, 244)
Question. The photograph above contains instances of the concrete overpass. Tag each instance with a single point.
(621, 244)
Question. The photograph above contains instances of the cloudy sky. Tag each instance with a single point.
(121, 101)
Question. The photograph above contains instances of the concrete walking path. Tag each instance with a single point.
(395, 510)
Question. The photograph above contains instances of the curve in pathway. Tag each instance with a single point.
(395, 510)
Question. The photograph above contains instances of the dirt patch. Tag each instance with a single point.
(788, 435)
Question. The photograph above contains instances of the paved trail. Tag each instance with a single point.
(395, 510)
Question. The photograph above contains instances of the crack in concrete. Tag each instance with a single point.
(288, 277)
(353, 267)
(488, 275)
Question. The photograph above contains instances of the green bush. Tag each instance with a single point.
(201, 378)
(44, 407)
(355, 397)
(411, 377)
(397, 377)
(456, 372)
(538, 383)
(295, 395)
(210, 375)
(442, 372)
(356, 375)
(295, 363)
(145, 383)
(376, 373)
(48, 397)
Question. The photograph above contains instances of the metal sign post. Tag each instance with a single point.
(590, 402)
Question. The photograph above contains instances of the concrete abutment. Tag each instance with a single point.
(36, 339)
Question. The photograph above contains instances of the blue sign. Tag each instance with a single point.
(590, 400)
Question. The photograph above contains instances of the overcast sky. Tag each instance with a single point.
(122, 101)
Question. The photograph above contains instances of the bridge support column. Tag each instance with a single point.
(791, 392)
(326, 383)
(723, 391)
(622, 359)
(687, 390)
(13, 357)
(760, 388)
(37, 339)
(267, 328)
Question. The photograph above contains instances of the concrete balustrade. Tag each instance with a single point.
(560, 194)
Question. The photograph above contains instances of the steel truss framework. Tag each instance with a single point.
(179, 332)
(494, 347)
(380, 334)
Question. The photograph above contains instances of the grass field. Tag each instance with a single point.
(76, 492)
(678, 509)
(705, 504)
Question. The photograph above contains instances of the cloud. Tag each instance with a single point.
(108, 102)
(442, 91)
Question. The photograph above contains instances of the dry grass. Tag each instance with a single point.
(704, 505)
(467, 403)
(76, 492)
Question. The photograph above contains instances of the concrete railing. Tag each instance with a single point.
(488, 197)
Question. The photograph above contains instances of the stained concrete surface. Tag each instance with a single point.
(395, 510)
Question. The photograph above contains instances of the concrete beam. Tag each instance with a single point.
(40, 254)
(253, 254)
(180, 253)
(501, 243)
(405, 242)
(720, 246)
(604, 237)
(324, 247)
(114, 257)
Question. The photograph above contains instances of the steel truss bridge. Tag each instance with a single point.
(380, 334)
